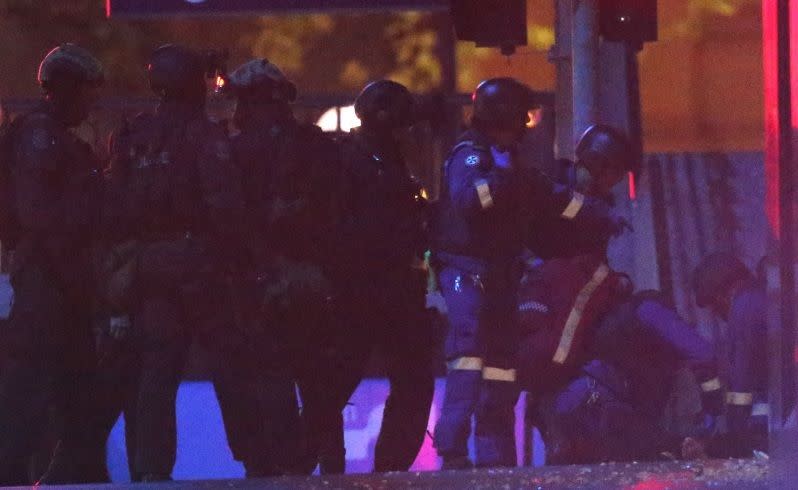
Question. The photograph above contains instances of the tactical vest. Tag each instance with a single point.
(161, 189)
(488, 235)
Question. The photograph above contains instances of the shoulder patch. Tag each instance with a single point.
(472, 160)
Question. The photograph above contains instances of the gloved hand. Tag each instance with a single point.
(119, 327)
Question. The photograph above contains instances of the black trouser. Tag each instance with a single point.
(261, 419)
(178, 302)
(255, 384)
(387, 312)
(49, 362)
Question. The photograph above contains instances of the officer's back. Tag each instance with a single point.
(384, 222)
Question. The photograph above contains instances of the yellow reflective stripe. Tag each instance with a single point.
(734, 398)
(573, 208)
(575, 316)
(465, 364)
(498, 374)
(711, 385)
(483, 191)
(760, 410)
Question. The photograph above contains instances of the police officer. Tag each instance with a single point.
(487, 202)
(384, 288)
(53, 191)
(725, 286)
(181, 203)
(291, 173)
(603, 157)
(610, 408)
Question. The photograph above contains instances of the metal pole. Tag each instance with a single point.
(446, 50)
(584, 59)
(560, 55)
(780, 199)
(786, 209)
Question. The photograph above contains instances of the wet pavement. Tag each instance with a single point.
(737, 474)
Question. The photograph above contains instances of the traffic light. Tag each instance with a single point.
(628, 20)
(491, 23)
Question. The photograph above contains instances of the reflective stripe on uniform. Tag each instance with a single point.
(465, 364)
(483, 191)
(711, 385)
(573, 208)
(498, 374)
(760, 410)
(736, 398)
(575, 316)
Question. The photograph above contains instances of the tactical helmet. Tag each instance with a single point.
(386, 103)
(175, 70)
(602, 146)
(503, 102)
(69, 65)
(715, 274)
(260, 78)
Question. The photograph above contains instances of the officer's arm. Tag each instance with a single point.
(38, 192)
(591, 218)
(665, 327)
(473, 186)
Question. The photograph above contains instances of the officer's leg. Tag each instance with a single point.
(162, 359)
(407, 344)
(332, 374)
(333, 450)
(23, 418)
(30, 340)
(92, 401)
(236, 392)
(494, 428)
(464, 356)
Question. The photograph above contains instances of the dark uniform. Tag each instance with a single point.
(290, 173)
(383, 287)
(181, 205)
(50, 357)
(611, 408)
(487, 205)
(723, 284)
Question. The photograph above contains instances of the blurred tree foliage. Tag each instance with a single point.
(327, 53)
(699, 14)
(324, 53)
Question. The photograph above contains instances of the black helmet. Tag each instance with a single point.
(715, 274)
(385, 103)
(69, 65)
(602, 146)
(261, 79)
(503, 102)
(176, 70)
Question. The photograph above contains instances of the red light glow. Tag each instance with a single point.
(770, 39)
(632, 186)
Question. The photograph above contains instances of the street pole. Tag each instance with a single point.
(560, 55)
(584, 60)
(779, 206)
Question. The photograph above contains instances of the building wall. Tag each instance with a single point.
(700, 84)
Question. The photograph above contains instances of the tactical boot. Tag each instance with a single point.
(155, 477)
(457, 463)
